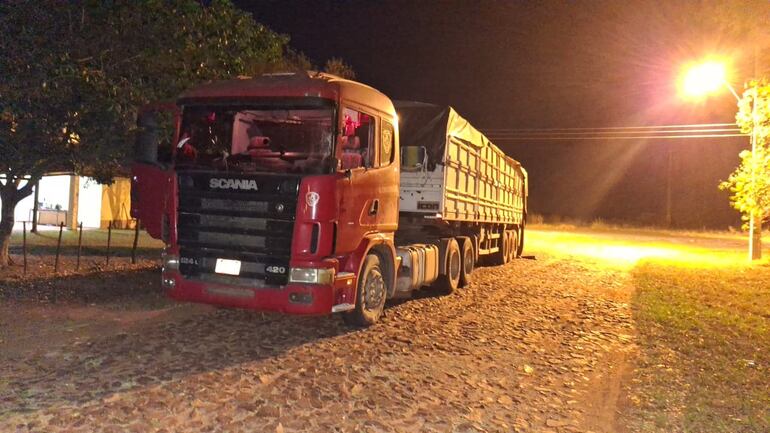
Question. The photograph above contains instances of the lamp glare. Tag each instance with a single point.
(703, 79)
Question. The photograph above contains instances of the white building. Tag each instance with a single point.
(92, 204)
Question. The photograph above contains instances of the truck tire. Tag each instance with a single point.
(468, 257)
(370, 296)
(520, 243)
(514, 244)
(508, 244)
(501, 256)
(449, 278)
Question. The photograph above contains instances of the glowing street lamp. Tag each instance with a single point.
(707, 78)
(703, 79)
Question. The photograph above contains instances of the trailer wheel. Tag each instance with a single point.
(506, 246)
(468, 261)
(501, 256)
(370, 296)
(449, 280)
(514, 245)
(520, 243)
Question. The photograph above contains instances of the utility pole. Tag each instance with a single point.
(755, 218)
(669, 171)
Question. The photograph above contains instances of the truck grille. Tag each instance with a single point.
(218, 220)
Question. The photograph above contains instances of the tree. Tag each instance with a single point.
(339, 68)
(74, 74)
(750, 182)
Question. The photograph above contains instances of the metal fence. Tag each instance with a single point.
(108, 251)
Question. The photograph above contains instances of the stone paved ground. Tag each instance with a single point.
(538, 345)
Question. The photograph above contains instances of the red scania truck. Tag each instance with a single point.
(309, 194)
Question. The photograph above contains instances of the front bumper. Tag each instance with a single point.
(293, 298)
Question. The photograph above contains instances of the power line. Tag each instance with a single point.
(611, 133)
(645, 132)
(609, 137)
(597, 128)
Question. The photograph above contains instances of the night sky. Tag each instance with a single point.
(557, 64)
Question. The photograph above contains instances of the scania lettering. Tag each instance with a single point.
(310, 194)
(246, 184)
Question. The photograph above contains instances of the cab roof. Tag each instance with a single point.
(288, 85)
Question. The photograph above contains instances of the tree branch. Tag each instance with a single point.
(28, 188)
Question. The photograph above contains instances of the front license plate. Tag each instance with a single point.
(227, 266)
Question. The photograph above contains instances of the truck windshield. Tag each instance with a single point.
(246, 139)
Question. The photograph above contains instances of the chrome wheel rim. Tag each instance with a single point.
(374, 290)
(468, 262)
(454, 266)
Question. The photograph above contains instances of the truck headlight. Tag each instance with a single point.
(311, 275)
(170, 262)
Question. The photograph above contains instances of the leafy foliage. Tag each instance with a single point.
(84, 68)
(750, 182)
(339, 68)
(74, 74)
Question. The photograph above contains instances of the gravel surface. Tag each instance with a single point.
(536, 345)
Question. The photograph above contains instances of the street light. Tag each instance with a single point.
(701, 80)
(704, 79)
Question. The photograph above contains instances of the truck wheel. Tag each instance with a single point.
(370, 296)
(501, 256)
(468, 261)
(508, 246)
(450, 279)
(520, 243)
(514, 244)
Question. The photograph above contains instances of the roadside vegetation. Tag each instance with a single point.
(704, 336)
(92, 239)
(599, 224)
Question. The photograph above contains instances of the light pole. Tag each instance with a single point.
(707, 78)
(755, 232)
(669, 170)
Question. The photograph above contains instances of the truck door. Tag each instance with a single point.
(152, 198)
(388, 175)
(363, 191)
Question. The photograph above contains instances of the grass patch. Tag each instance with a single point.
(94, 241)
(705, 348)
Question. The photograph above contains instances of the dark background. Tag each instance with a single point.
(558, 64)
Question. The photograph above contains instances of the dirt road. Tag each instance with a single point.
(537, 345)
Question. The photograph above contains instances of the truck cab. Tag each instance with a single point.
(276, 193)
(287, 192)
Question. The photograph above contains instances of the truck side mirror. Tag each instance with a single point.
(155, 131)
